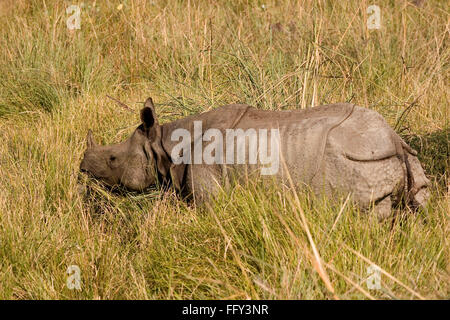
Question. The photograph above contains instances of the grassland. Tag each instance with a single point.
(192, 56)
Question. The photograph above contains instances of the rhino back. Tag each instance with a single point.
(328, 147)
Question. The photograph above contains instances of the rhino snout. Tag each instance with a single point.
(83, 167)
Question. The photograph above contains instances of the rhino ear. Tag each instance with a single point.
(153, 131)
(162, 160)
(90, 142)
(148, 115)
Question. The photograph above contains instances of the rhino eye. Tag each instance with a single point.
(112, 158)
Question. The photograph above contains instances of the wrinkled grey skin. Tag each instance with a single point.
(332, 149)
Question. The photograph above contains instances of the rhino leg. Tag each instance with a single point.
(418, 193)
(202, 182)
(416, 183)
(383, 208)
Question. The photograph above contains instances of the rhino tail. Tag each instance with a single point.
(416, 183)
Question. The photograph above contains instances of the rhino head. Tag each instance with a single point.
(137, 163)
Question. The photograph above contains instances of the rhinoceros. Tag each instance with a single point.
(331, 149)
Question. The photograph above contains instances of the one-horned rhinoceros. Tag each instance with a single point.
(337, 148)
